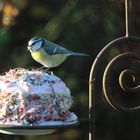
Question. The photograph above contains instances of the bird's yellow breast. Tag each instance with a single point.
(48, 60)
(39, 55)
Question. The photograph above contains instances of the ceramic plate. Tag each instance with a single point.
(48, 128)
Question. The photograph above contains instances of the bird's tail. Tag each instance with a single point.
(77, 54)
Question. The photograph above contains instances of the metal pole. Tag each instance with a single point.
(126, 18)
(91, 104)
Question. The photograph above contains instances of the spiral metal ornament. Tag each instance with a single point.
(122, 78)
(116, 73)
(124, 74)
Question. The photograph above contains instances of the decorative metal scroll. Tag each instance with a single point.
(117, 69)
(127, 67)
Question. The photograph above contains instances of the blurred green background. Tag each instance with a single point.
(79, 25)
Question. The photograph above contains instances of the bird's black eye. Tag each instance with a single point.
(33, 43)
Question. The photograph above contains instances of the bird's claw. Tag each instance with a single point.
(48, 70)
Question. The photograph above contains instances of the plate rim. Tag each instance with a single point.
(56, 126)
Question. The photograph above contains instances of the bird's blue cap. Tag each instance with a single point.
(34, 40)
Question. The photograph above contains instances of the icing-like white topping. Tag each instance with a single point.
(37, 82)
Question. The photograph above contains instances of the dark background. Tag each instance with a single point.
(79, 25)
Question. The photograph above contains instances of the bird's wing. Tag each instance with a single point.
(52, 48)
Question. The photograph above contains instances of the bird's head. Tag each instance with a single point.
(35, 44)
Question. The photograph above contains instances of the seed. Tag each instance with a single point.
(20, 110)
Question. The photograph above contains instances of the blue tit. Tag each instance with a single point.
(49, 54)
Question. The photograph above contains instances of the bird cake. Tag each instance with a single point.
(33, 97)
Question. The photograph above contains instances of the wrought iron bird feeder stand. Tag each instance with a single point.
(117, 65)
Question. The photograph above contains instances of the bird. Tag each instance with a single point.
(49, 54)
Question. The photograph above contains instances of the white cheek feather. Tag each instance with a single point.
(30, 43)
(36, 46)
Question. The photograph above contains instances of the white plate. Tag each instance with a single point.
(48, 128)
(27, 131)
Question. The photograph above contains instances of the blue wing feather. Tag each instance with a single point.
(52, 49)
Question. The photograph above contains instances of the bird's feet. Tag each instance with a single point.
(46, 69)
(50, 71)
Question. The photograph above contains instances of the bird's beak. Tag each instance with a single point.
(29, 48)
